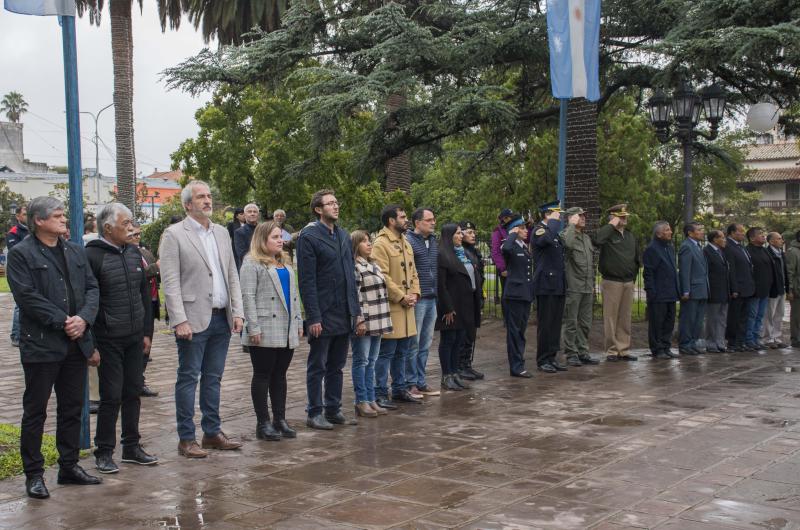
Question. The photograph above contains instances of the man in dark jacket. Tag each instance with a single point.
(123, 330)
(466, 370)
(244, 234)
(793, 294)
(763, 278)
(661, 286)
(57, 296)
(549, 285)
(151, 270)
(518, 294)
(742, 286)
(326, 279)
(14, 236)
(719, 291)
(693, 274)
(772, 334)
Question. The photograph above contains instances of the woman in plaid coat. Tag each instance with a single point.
(375, 320)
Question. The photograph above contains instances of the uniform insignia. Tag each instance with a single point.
(540, 232)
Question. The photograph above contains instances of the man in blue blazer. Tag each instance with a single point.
(694, 288)
(661, 286)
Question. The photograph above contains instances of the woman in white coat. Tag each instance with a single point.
(273, 327)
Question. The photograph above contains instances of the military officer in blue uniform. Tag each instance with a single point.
(549, 285)
(517, 294)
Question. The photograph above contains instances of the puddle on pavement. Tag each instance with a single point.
(617, 421)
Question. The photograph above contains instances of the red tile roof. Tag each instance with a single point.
(168, 175)
(784, 151)
(763, 176)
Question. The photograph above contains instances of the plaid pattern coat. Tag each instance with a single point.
(373, 297)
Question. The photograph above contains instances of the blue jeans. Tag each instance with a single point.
(756, 307)
(425, 315)
(393, 354)
(15, 324)
(203, 359)
(365, 353)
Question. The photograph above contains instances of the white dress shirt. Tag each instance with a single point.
(220, 290)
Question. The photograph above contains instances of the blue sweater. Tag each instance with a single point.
(426, 260)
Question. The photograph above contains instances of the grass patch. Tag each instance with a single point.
(10, 459)
(4, 285)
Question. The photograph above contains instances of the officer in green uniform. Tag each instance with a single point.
(580, 289)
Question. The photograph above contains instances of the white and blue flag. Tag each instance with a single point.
(573, 31)
(41, 7)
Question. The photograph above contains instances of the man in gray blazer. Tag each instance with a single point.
(694, 288)
(201, 288)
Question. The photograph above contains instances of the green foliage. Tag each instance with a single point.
(10, 459)
(13, 105)
(4, 288)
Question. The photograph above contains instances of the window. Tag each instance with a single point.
(793, 194)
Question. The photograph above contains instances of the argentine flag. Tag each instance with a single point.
(41, 7)
(573, 31)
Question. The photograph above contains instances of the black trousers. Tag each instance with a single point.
(451, 341)
(550, 313)
(468, 349)
(516, 314)
(660, 324)
(121, 375)
(269, 379)
(327, 357)
(69, 379)
(736, 330)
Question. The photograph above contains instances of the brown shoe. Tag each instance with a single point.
(190, 449)
(377, 408)
(364, 410)
(414, 391)
(220, 441)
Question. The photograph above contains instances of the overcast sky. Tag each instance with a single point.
(31, 63)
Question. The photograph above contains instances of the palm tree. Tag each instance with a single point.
(14, 106)
(122, 59)
(227, 20)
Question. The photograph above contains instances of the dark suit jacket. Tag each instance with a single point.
(741, 269)
(780, 274)
(693, 270)
(241, 243)
(519, 279)
(549, 269)
(720, 283)
(326, 277)
(762, 270)
(660, 272)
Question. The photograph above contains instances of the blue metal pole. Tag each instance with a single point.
(74, 162)
(562, 150)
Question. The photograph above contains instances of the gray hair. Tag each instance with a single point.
(278, 210)
(658, 227)
(42, 208)
(186, 192)
(108, 215)
(254, 205)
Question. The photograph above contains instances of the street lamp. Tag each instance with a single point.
(683, 111)
(96, 117)
(153, 198)
(13, 207)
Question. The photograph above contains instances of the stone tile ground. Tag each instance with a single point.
(698, 443)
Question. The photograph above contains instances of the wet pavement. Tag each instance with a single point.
(696, 443)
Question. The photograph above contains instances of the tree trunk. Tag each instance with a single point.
(581, 183)
(398, 169)
(122, 57)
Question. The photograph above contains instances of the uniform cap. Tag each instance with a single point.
(619, 210)
(515, 222)
(553, 206)
(575, 210)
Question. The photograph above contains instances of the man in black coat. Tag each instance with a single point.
(663, 291)
(742, 286)
(763, 278)
(57, 296)
(123, 331)
(327, 283)
(17, 233)
(719, 292)
(550, 286)
(244, 234)
(517, 294)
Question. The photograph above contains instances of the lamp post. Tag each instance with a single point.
(13, 208)
(682, 111)
(153, 198)
(96, 117)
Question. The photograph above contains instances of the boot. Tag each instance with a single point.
(465, 374)
(449, 384)
(266, 431)
(460, 382)
(364, 410)
(282, 427)
(476, 374)
(378, 409)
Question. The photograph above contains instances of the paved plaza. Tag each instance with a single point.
(698, 443)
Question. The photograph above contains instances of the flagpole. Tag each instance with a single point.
(74, 163)
(562, 149)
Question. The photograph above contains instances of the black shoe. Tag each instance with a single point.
(526, 374)
(35, 487)
(750, 347)
(548, 368)
(448, 383)
(628, 357)
(385, 403)
(687, 351)
(698, 351)
(714, 350)
(94, 406)
(671, 354)
(661, 355)
(336, 418)
(282, 427)
(76, 475)
(558, 366)
(585, 358)
(104, 463)
(405, 397)
(137, 455)
(476, 374)
(319, 422)
(612, 358)
(762, 346)
(266, 431)
(460, 382)
(148, 392)
(466, 375)
(574, 360)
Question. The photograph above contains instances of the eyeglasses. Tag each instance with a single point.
(332, 203)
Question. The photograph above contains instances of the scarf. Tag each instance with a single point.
(461, 255)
